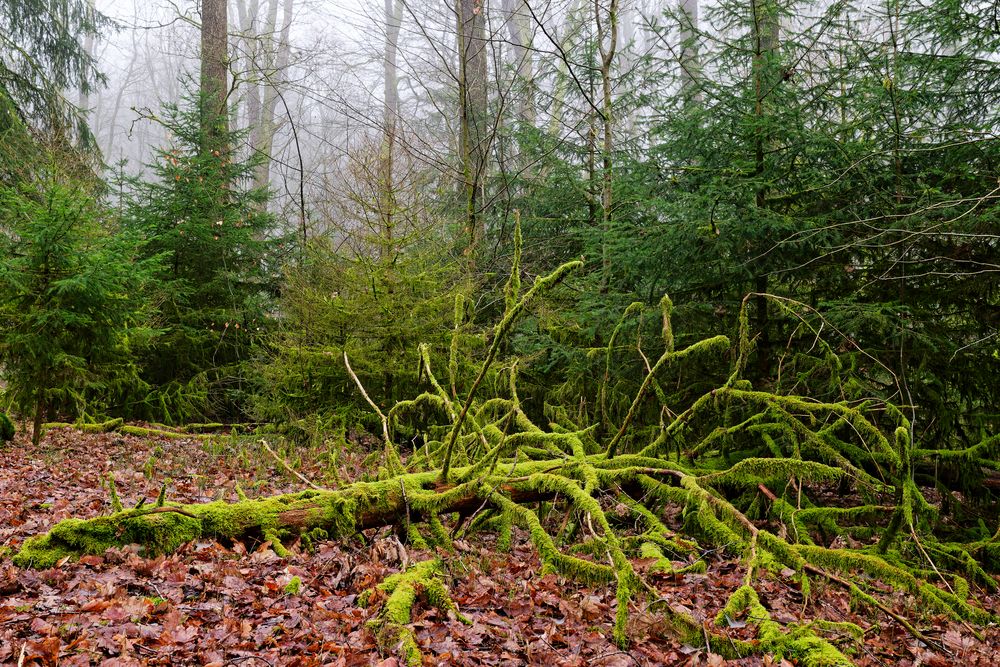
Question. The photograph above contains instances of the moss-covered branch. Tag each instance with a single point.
(715, 462)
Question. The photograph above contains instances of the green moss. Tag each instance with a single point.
(71, 538)
(421, 581)
(159, 531)
(798, 643)
(99, 427)
(202, 428)
(294, 586)
(140, 431)
(663, 564)
(752, 471)
(116, 503)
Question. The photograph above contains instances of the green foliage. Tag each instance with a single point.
(73, 308)
(858, 192)
(218, 278)
(376, 312)
(42, 57)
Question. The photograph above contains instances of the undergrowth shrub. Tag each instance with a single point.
(377, 313)
(223, 253)
(7, 430)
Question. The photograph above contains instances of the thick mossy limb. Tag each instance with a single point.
(98, 427)
(552, 559)
(339, 512)
(164, 529)
(750, 472)
(140, 431)
(421, 581)
(581, 499)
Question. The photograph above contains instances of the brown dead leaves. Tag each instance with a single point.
(213, 604)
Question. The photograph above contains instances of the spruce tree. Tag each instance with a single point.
(41, 57)
(72, 302)
(223, 255)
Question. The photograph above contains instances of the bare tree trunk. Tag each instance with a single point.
(519, 31)
(628, 61)
(113, 133)
(690, 62)
(214, 74)
(88, 47)
(390, 118)
(766, 27)
(472, 111)
(248, 12)
(576, 14)
(276, 62)
(607, 37)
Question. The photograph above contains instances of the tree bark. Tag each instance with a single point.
(473, 140)
(390, 120)
(519, 31)
(607, 36)
(690, 62)
(248, 12)
(214, 75)
(766, 27)
(277, 57)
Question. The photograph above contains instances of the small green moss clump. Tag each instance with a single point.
(294, 586)
(799, 643)
(7, 429)
(421, 581)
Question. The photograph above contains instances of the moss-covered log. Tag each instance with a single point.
(280, 519)
(751, 471)
(188, 432)
(95, 427)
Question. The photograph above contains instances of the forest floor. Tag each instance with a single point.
(211, 604)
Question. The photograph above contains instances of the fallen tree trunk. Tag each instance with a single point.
(189, 432)
(716, 460)
(331, 513)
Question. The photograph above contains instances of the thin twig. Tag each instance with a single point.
(289, 468)
(361, 387)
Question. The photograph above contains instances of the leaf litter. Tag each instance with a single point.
(216, 605)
